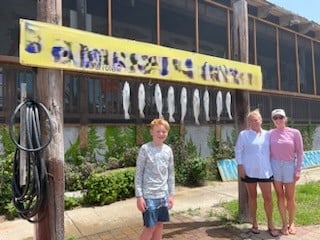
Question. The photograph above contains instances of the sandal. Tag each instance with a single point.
(285, 231)
(255, 230)
(273, 232)
(292, 230)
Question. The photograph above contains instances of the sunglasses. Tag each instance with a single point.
(278, 117)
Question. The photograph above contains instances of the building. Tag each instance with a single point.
(285, 45)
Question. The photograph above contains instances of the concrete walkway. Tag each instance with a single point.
(193, 217)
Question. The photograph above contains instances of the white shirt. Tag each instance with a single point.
(253, 152)
(154, 176)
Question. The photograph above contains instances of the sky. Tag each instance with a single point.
(304, 8)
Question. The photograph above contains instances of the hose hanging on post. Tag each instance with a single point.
(29, 198)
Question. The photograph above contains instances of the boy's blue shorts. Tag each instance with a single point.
(157, 211)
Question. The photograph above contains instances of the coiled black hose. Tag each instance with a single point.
(30, 199)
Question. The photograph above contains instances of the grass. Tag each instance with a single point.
(307, 208)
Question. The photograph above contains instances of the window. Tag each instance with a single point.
(105, 97)
(11, 12)
(71, 94)
(288, 68)
(305, 65)
(134, 19)
(95, 99)
(110, 94)
(252, 59)
(212, 30)
(317, 63)
(263, 103)
(1, 89)
(88, 15)
(177, 24)
(27, 77)
(267, 54)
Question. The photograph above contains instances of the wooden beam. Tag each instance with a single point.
(241, 53)
(49, 91)
(288, 20)
(264, 11)
(317, 34)
(305, 27)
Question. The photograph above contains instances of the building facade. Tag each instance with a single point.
(285, 45)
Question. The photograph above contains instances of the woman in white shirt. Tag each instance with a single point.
(253, 157)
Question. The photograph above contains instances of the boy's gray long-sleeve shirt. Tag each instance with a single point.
(154, 176)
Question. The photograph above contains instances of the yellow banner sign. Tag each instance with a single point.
(52, 46)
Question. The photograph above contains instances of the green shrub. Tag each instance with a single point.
(108, 187)
(113, 163)
(192, 172)
(73, 155)
(8, 145)
(219, 150)
(72, 202)
(76, 156)
(96, 145)
(129, 157)
(11, 211)
(125, 183)
(190, 169)
(307, 133)
(73, 179)
(6, 162)
(118, 139)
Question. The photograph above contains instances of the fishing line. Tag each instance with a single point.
(29, 197)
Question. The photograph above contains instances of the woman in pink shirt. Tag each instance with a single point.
(286, 152)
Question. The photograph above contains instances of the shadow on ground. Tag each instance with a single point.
(201, 229)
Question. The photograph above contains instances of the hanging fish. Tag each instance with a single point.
(228, 104)
(158, 99)
(141, 100)
(183, 103)
(219, 105)
(206, 104)
(126, 100)
(171, 107)
(196, 105)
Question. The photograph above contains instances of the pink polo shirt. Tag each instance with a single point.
(286, 145)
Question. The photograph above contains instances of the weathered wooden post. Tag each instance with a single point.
(50, 93)
(241, 53)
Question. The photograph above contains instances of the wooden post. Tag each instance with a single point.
(241, 53)
(50, 93)
(83, 134)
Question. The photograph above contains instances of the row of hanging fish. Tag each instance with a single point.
(158, 98)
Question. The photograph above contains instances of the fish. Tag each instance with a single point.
(183, 103)
(126, 99)
(141, 100)
(228, 104)
(196, 105)
(158, 99)
(219, 105)
(206, 104)
(170, 100)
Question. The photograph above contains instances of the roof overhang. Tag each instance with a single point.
(286, 18)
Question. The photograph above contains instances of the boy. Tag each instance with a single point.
(154, 181)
